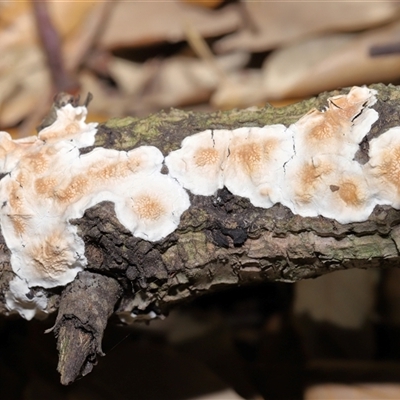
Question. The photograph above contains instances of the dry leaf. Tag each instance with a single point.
(267, 25)
(129, 76)
(241, 89)
(23, 79)
(17, 24)
(24, 76)
(106, 101)
(181, 81)
(204, 3)
(326, 63)
(138, 23)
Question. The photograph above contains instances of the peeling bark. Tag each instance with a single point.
(85, 306)
(221, 241)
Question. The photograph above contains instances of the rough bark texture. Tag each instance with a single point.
(222, 240)
(85, 306)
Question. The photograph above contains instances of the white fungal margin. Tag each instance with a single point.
(70, 125)
(21, 299)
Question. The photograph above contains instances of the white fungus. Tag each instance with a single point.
(340, 128)
(331, 186)
(70, 125)
(322, 177)
(21, 299)
(383, 168)
(255, 165)
(48, 183)
(198, 165)
(154, 206)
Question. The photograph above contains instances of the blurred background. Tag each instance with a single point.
(335, 337)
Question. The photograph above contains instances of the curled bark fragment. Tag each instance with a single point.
(85, 307)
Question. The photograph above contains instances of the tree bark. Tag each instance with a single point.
(221, 241)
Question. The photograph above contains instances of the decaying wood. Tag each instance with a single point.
(222, 240)
(86, 304)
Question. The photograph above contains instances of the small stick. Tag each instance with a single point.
(52, 47)
(383, 50)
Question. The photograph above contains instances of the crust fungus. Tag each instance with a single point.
(26, 302)
(255, 165)
(198, 165)
(383, 167)
(340, 128)
(154, 206)
(70, 125)
(331, 186)
(277, 164)
(248, 161)
(322, 178)
(49, 183)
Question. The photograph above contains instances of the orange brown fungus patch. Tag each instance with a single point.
(346, 107)
(350, 194)
(78, 187)
(148, 207)
(15, 198)
(38, 163)
(390, 166)
(45, 186)
(72, 128)
(326, 129)
(251, 155)
(206, 156)
(51, 256)
(114, 170)
(16, 202)
(67, 131)
(248, 155)
(309, 175)
(19, 224)
(23, 178)
(269, 147)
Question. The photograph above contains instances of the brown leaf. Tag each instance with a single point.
(328, 62)
(138, 23)
(268, 24)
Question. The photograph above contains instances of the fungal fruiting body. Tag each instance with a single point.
(309, 167)
(199, 164)
(384, 166)
(331, 186)
(255, 166)
(49, 182)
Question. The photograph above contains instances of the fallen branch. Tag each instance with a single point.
(222, 240)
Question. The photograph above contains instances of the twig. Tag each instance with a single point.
(52, 47)
(384, 50)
